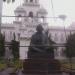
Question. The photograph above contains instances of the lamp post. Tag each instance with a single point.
(63, 17)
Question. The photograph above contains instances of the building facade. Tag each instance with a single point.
(28, 16)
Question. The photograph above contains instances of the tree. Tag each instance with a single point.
(2, 47)
(70, 46)
(15, 49)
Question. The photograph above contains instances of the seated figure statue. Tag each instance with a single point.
(39, 44)
(40, 55)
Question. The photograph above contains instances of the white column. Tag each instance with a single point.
(23, 50)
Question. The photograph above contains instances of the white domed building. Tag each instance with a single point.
(28, 16)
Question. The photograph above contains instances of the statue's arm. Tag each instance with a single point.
(35, 48)
(33, 45)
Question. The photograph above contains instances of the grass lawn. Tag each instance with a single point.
(16, 64)
(2, 65)
(67, 65)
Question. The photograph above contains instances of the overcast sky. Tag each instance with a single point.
(61, 7)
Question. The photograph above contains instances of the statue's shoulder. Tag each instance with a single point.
(33, 36)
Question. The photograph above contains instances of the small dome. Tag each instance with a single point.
(42, 10)
(19, 9)
(72, 26)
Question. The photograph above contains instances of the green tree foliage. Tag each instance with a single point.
(2, 47)
(70, 46)
(15, 48)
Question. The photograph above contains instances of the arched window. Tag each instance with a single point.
(26, 0)
(41, 19)
(18, 36)
(19, 17)
(14, 36)
(62, 38)
(31, 0)
(35, 1)
(30, 14)
(56, 37)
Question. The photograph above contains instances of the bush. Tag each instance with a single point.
(70, 46)
(15, 49)
(2, 47)
(2, 65)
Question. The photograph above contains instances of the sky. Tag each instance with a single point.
(60, 7)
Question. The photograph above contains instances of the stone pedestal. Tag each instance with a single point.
(42, 66)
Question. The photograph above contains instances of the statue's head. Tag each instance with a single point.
(39, 28)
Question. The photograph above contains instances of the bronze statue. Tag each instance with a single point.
(40, 55)
(39, 44)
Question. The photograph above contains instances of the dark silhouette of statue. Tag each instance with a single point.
(39, 44)
(41, 55)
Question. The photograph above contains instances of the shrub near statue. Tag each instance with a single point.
(39, 60)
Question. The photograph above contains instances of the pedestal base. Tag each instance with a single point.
(41, 66)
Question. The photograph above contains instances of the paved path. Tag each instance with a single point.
(9, 70)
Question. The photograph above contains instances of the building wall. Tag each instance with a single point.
(58, 35)
(25, 27)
